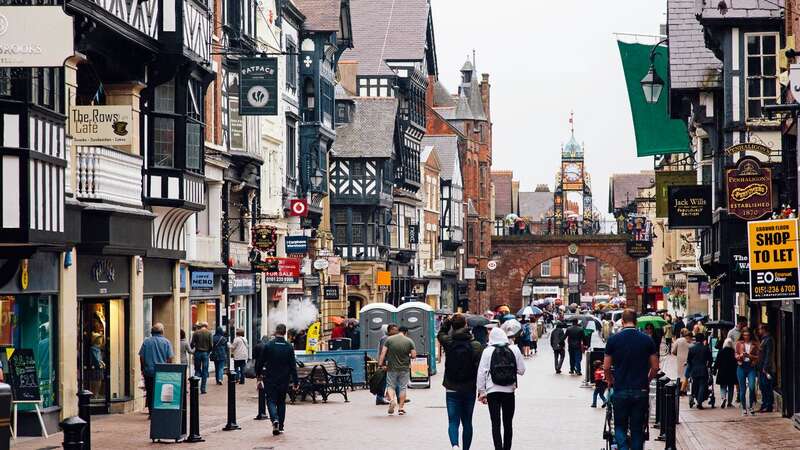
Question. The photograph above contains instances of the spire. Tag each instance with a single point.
(572, 122)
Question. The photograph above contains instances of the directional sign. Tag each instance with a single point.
(774, 260)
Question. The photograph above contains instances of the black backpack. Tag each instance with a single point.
(459, 364)
(503, 367)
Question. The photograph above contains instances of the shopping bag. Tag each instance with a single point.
(377, 383)
(250, 369)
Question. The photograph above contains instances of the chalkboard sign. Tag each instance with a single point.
(22, 375)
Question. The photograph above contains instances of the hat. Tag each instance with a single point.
(511, 327)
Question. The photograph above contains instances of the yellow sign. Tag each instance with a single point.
(312, 338)
(383, 279)
(773, 251)
(23, 274)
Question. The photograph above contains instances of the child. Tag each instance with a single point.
(600, 385)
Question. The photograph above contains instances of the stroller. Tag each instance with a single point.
(710, 395)
(608, 426)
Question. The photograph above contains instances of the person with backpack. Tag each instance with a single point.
(557, 339)
(500, 364)
(219, 353)
(526, 339)
(462, 355)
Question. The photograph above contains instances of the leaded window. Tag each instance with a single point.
(762, 72)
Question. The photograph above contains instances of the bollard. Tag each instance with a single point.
(85, 413)
(73, 430)
(231, 425)
(661, 404)
(262, 404)
(194, 410)
(669, 421)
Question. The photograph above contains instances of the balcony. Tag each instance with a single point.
(174, 188)
(105, 174)
(137, 20)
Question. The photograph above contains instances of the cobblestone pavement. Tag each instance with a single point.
(552, 412)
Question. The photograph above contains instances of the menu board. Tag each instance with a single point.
(21, 374)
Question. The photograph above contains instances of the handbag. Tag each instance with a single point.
(250, 368)
(377, 382)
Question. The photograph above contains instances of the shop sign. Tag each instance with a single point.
(235, 122)
(203, 280)
(23, 41)
(545, 290)
(243, 284)
(748, 147)
(740, 269)
(258, 83)
(296, 245)
(331, 293)
(265, 238)
(666, 179)
(298, 207)
(103, 271)
(480, 284)
(749, 189)
(353, 279)
(696, 278)
(704, 288)
(280, 270)
(638, 249)
(413, 234)
(320, 264)
(22, 375)
(774, 262)
(383, 278)
(689, 206)
(101, 124)
(23, 274)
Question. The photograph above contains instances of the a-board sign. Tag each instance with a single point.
(169, 405)
(22, 375)
(773, 248)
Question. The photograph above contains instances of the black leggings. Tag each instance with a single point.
(501, 401)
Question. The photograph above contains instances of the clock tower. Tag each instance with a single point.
(573, 195)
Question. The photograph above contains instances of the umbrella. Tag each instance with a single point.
(720, 324)
(583, 320)
(529, 311)
(508, 317)
(476, 321)
(337, 320)
(617, 301)
(656, 321)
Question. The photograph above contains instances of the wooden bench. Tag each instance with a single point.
(321, 378)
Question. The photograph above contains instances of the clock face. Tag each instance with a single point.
(572, 172)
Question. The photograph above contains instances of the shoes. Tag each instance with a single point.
(276, 430)
(593, 405)
(381, 402)
(744, 412)
(604, 405)
(578, 374)
(752, 412)
(280, 428)
(392, 406)
(558, 371)
(700, 406)
(572, 372)
(219, 383)
(724, 403)
(203, 392)
(408, 400)
(691, 402)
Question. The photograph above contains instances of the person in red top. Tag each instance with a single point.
(599, 377)
(338, 331)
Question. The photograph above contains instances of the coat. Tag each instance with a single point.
(699, 360)
(754, 350)
(447, 338)
(725, 367)
(276, 365)
(681, 350)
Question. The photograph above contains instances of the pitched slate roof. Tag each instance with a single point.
(387, 30)
(624, 187)
(463, 110)
(370, 133)
(441, 96)
(691, 64)
(446, 148)
(321, 15)
(535, 205)
(740, 9)
(503, 192)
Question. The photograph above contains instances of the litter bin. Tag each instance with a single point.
(419, 318)
(371, 318)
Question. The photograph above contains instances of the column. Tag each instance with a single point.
(128, 94)
(67, 311)
(135, 333)
(176, 320)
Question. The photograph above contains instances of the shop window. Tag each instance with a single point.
(761, 66)
(164, 142)
(340, 227)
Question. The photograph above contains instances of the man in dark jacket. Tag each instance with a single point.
(677, 327)
(462, 355)
(766, 370)
(576, 340)
(699, 362)
(275, 369)
(557, 338)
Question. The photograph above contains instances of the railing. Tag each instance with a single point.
(550, 228)
(107, 174)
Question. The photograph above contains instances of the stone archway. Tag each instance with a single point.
(516, 256)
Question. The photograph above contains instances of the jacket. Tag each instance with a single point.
(766, 358)
(447, 338)
(239, 348)
(576, 338)
(201, 340)
(699, 360)
(219, 351)
(557, 339)
(276, 364)
(725, 367)
(754, 352)
(485, 385)
(681, 350)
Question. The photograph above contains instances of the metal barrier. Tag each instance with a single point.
(194, 410)
(661, 382)
(85, 413)
(73, 433)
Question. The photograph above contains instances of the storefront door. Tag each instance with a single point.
(101, 352)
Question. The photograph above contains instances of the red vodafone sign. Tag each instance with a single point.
(298, 207)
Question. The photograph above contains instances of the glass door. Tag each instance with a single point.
(93, 352)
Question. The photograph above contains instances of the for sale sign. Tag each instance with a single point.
(773, 258)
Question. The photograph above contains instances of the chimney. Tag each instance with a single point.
(485, 95)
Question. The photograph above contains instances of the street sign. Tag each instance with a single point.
(491, 265)
(772, 248)
(298, 207)
(296, 245)
(749, 189)
(480, 284)
(321, 264)
(638, 249)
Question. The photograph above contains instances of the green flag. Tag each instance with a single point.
(656, 133)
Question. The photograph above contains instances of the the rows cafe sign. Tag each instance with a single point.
(34, 36)
(101, 124)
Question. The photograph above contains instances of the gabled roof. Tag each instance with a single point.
(321, 15)
(370, 133)
(463, 110)
(624, 187)
(387, 30)
(446, 148)
(430, 158)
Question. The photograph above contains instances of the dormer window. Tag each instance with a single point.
(342, 113)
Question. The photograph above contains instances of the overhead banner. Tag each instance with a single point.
(258, 87)
(689, 206)
(101, 124)
(296, 245)
(656, 133)
(666, 179)
(35, 36)
(772, 249)
(749, 189)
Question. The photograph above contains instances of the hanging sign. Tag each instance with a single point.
(480, 284)
(258, 86)
(383, 278)
(298, 207)
(740, 269)
(794, 81)
(666, 179)
(749, 189)
(101, 124)
(331, 293)
(296, 245)
(280, 270)
(265, 238)
(353, 279)
(23, 274)
(772, 248)
(413, 234)
(35, 36)
(638, 249)
(689, 206)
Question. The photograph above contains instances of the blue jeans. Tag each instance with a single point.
(459, 411)
(767, 393)
(219, 370)
(746, 374)
(599, 391)
(630, 411)
(575, 356)
(201, 368)
(276, 403)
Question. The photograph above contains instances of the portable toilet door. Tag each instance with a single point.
(371, 319)
(418, 317)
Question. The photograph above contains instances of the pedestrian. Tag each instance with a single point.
(557, 339)
(747, 352)
(156, 349)
(634, 359)
(699, 362)
(600, 385)
(678, 326)
(735, 333)
(681, 352)
(396, 355)
(576, 339)
(185, 351)
(338, 331)
(219, 353)
(463, 354)
(276, 369)
(353, 333)
(299, 341)
(525, 339)
(650, 330)
(668, 333)
(766, 370)
(239, 349)
(202, 342)
(534, 338)
(725, 370)
(388, 330)
(500, 364)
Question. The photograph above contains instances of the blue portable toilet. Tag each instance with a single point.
(371, 319)
(419, 318)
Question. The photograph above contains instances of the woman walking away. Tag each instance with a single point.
(747, 352)
(526, 338)
(500, 364)
(668, 333)
(599, 377)
(219, 353)
(725, 368)
(185, 350)
(239, 349)
(681, 351)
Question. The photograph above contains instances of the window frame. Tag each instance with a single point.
(545, 273)
(761, 77)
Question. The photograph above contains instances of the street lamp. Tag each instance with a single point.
(652, 83)
(316, 179)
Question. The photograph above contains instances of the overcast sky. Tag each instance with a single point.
(546, 58)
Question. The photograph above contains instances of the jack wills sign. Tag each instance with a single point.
(749, 189)
(689, 206)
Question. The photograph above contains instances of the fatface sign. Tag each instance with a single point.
(749, 189)
(101, 125)
(258, 87)
(773, 248)
(689, 206)
(35, 36)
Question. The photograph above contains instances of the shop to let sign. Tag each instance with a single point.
(772, 248)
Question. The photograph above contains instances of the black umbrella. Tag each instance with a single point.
(583, 320)
(476, 321)
(721, 324)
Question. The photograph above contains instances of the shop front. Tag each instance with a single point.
(204, 296)
(246, 306)
(104, 284)
(158, 305)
